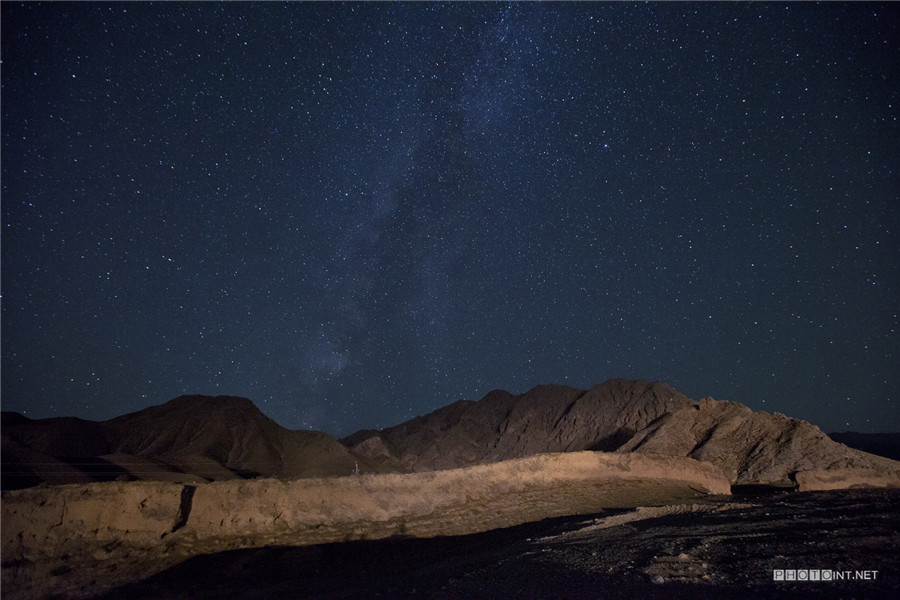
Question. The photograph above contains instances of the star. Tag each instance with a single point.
(353, 214)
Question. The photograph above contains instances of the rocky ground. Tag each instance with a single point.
(722, 548)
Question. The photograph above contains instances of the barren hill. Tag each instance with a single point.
(548, 418)
(188, 439)
(623, 416)
(232, 432)
(754, 447)
(193, 439)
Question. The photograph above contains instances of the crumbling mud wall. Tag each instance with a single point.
(79, 540)
(840, 479)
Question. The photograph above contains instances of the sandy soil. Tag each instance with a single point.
(721, 548)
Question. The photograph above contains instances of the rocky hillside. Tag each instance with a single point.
(190, 439)
(194, 439)
(622, 416)
(548, 418)
(753, 447)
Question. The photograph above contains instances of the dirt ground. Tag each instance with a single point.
(722, 548)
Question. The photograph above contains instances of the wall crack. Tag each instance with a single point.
(184, 509)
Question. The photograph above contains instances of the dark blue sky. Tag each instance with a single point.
(356, 213)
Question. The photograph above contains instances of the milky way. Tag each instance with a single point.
(356, 213)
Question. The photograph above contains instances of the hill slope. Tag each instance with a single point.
(547, 418)
(188, 439)
(751, 447)
(623, 416)
(201, 438)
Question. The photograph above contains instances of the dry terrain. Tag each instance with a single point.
(196, 439)
(77, 540)
(721, 548)
(217, 500)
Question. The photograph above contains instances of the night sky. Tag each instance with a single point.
(353, 214)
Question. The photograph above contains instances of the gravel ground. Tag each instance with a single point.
(722, 548)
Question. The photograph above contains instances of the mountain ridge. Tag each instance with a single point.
(190, 438)
(623, 416)
(546, 418)
(193, 439)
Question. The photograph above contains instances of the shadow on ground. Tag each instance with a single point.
(687, 554)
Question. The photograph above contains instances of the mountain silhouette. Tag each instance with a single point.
(188, 439)
(194, 439)
(617, 415)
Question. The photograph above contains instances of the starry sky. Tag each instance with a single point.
(353, 214)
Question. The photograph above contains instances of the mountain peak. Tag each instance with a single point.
(617, 415)
(189, 438)
(228, 410)
(546, 418)
(203, 401)
(197, 437)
